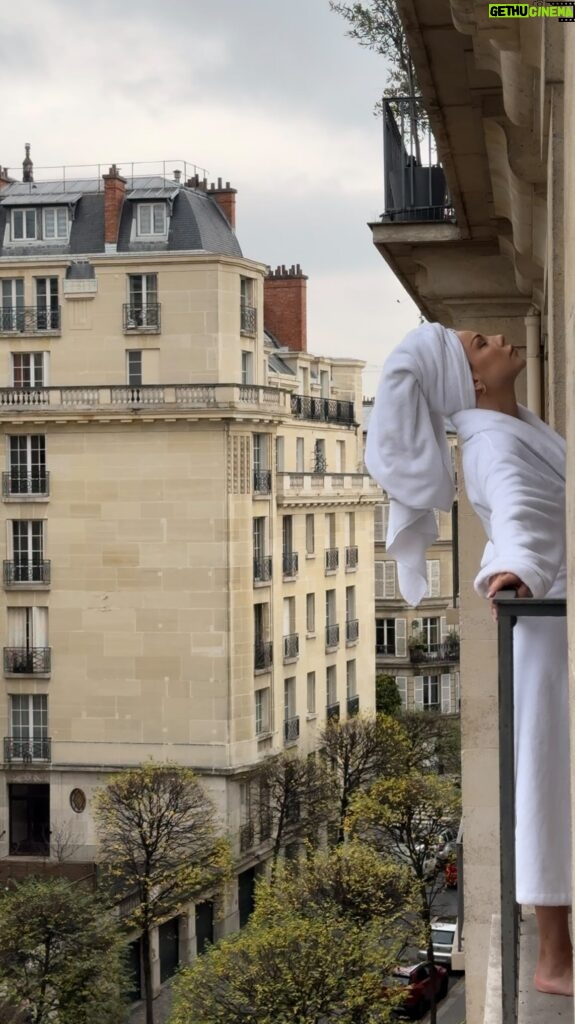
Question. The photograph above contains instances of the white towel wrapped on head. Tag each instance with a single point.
(426, 378)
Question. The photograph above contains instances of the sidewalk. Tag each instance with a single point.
(162, 1004)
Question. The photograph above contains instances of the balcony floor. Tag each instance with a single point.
(534, 1008)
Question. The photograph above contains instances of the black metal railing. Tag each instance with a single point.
(15, 483)
(142, 316)
(27, 660)
(386, 649)
(291, 646)
(290, 563)
(332, 712)
(247, 836)
(16, 572)
(263, 569)
(248, 319)
(332, 635)
(415, 186)
(29, 319)
(262, 481)
(509, 609)
(351, 631)
(352, 706)
(266, 822)
(448, 651)
(328, 410)
(331, 559)
(263, 654)
(351, 557)
(29, 749)
(291, 729)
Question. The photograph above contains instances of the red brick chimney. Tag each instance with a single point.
(285, 306)
(224, 195)
(114, 192)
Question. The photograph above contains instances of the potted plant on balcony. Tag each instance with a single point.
(417, 647)
(452, 645)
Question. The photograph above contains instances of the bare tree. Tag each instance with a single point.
(159, 843)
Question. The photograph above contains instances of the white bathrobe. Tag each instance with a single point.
(515, 479)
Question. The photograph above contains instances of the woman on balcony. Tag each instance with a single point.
(514, 466)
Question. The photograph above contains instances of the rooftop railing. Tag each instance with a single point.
(415, 186)
(510, 608)
(326, 410)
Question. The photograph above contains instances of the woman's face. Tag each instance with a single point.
(494, 364)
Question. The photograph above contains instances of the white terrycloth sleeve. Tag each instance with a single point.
(523, 509)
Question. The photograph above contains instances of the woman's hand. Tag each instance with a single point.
(505, 581)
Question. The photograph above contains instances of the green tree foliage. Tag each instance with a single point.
(360, 749)
(61, 956)
(159, 843)
(317, 948)
(434, 742)
(387, 698)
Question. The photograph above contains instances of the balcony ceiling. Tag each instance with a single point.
(479, 98)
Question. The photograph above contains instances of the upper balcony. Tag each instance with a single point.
(415, 187)
(323, 410)
(422, 653)
(30, 320)
(308, 487)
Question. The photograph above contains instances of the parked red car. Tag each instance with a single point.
(420, 982)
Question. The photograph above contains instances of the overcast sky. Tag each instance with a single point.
(269, 94)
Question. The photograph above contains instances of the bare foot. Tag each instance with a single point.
(555, 983)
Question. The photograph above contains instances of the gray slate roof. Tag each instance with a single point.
(197, 223)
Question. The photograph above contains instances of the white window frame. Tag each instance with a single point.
(331, 685)
(300, 455)
(310, 534)
(153, 210)
(37, 369)
(61, 222)
(23, 211)
(262, 710)
(427, 683)
(130, 353)
(311, 693)
(310, 614)
(351, 678)
(33, 705)
(247, 367)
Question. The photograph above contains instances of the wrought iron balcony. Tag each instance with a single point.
(331, 559)
(332, 712)
(291, 646)
(352, 706)
(29, 320)
(445, 652)
(31, 485)
(262, 481)
(351, 557)
(17, 573)
(263, 569)
(142, 316)
(263, 654)
(351, 631)
(291, 729)
(248, 319)
(247, 836)
(28, 749)
(327, 410)
(415, 186)
(266, 822)
(290, 563)
(27, 661)
(332, 636)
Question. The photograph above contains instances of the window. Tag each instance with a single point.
(331, 685)
(29, 726)
(287, 534)
(262, 710)
(385, 580)
(350, 679)
(310, 613)
(47, 307)
(310, 534)
(311, 693)
(330, 608)
(350, 603)
(385, 636)
(381, 519)
(29, 819)
(433, 578)
(12, 298)
(289, 699)
(299, 455)
(259, 537)
(27, 464)
(24, 227)
(430, 631)
(27, 539)
(143, 309)
(27, 649)
(29, 369)
(56, 222)
(247, 367)
(431, 693)
(151, 219)
(248, 320)
(134, 367)
(324, 383)
(330, 541)
(288, 616)
(340, 456)
(350, 528)
(319, 460)
(280, 454)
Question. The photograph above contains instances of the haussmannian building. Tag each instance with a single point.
(187, 537)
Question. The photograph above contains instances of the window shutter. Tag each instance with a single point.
(401, 683)
(45, 367)
(446, 694)
(444, 629)
(379, 588)
(433, 578)
(418, 692)
(389, 580)
(385, 519)
(400, 638)
(40, 627)
(378, 533)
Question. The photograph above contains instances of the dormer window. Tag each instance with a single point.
(151, 220)
(24, 225)
(56, 222)
(50, 224)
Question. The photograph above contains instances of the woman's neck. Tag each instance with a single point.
(506, 403)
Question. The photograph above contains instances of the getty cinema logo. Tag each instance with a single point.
(565, 12)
